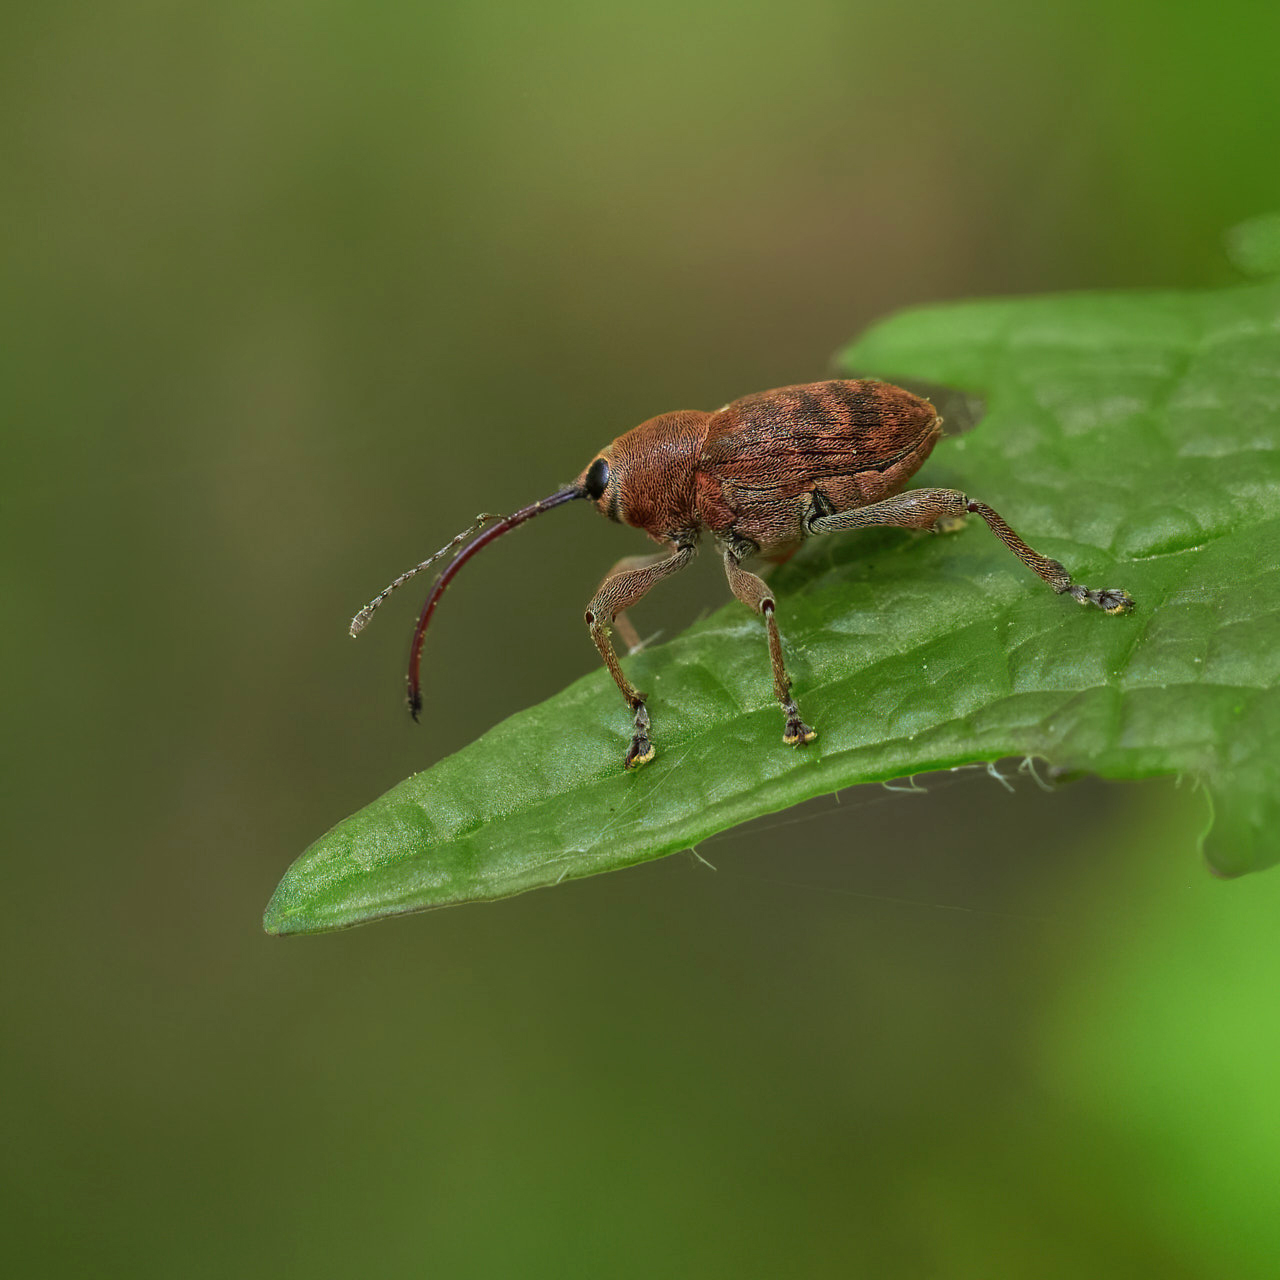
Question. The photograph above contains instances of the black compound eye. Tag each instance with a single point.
(597, 480)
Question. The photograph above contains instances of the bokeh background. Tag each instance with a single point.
(290, 291)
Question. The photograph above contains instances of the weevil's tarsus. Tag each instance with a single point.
(1109, 600)
(641, 749)
(505, 524)
(797, 733)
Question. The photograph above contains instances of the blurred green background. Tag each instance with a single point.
(290, 292)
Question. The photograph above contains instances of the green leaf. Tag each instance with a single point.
(1133, 436)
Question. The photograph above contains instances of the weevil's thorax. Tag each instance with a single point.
(651, 480)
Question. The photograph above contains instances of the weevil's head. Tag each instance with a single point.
(645, 478)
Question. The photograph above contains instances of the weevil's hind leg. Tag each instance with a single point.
(1108, 599)
(617, 593)
(925, 508)
(755, 594)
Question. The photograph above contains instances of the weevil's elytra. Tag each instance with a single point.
(761, 475)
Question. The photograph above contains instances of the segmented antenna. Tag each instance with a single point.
(361, 620)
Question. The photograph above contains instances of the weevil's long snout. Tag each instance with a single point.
(504, 525)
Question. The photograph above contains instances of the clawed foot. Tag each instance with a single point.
(1110, 600)
(797, 733)
(641, 749)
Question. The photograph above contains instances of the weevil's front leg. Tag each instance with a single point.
(617, 593)
(755, 594)
(924, 508)
(622, 624)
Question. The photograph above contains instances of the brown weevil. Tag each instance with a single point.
(760, 474)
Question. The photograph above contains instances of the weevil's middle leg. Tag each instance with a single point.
(617, 593)
(755, 594)
(925, 508)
